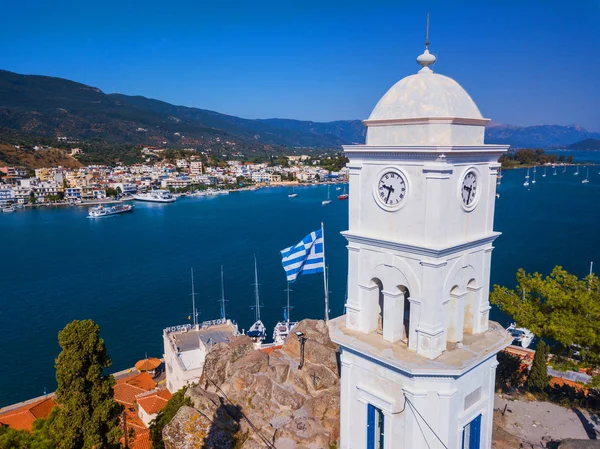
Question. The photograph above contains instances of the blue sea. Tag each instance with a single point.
(131, 273)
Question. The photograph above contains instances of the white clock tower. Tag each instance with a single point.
(418, 351)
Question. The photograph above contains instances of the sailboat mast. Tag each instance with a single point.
(288, 303)
(194, 313)
(257, 305)
(222, 295)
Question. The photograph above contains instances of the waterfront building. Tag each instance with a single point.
(22, 416)
(418, 352)
(185, 349)
(151, 403)
(73, 193)
(195, 167)
(6, 196)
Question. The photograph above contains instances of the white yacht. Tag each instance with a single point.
(577, 170)
(521, 335)
(533, 180)
(258, 331)
(9, 209)
(293, 194)
(526, 183)
(328, 200)
(554, 174)
(283, 328)
(155, 196)
(544, 175)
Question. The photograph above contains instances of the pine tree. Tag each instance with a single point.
(537, 381)
(89, 416)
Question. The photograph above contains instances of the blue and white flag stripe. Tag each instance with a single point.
(307, 257)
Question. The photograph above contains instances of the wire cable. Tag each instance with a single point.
(414, 410)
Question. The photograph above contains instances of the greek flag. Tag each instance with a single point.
(307, 257)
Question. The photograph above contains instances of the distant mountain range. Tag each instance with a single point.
(53, 107)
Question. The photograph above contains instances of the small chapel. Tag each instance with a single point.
(418, 350)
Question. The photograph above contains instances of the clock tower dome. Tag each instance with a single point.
(418, 349)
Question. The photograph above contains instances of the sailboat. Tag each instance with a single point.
(257, 332)
(293, 194)
(328, 200)
(499, 177)
(343, 196)
(283, 328)
(544, 175)
(526, 183)
(533, 180)
(587, 176)
(576, 171)
(554, 174)
(564, 169)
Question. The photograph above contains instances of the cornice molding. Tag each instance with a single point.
(427, 121)
(419, 250)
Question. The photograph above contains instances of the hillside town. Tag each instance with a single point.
(96, 183)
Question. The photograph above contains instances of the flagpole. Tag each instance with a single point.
(325, 276)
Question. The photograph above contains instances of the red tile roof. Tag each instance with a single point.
(127, 388)
(155, 402)
(22, 418)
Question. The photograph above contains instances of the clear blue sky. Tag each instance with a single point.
(523, 62)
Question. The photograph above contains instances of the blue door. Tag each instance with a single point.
(375, 426)
(472, 434)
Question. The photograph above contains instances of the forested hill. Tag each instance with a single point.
(53, 107)
(587, 144)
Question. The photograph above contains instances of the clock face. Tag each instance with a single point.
(391, 189)
(468, 189)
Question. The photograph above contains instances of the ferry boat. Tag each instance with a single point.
(258, 331)
(283, 328)
(521, 335)
(100, 211)
(156, 196)
(343, 196)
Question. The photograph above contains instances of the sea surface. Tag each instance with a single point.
(131, 273)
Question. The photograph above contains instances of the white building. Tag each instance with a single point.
(6, 196)
(196, 167)
(418, 352)
(185, 349)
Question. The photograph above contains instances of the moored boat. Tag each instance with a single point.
(9, 209)
(521, 335)
(155, 196)
(101, 211)
(258, 331)
(343, 196)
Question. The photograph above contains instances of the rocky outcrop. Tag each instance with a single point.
(249, 399)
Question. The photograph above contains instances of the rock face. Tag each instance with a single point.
(248, 399)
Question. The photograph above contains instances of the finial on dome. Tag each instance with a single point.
(426, 59)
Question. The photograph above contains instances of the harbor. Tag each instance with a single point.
(149, 253)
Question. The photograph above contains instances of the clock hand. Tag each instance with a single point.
(390, 190)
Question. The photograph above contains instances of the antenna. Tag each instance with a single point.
(427, 33)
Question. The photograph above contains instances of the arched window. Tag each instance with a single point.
(406, 312)
(380, 305)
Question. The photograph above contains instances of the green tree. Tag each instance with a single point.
(38, 438)
(560, 307)
(89, 417)
(32, 197)
(537, 381)
(508, 373)
(165, 416)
